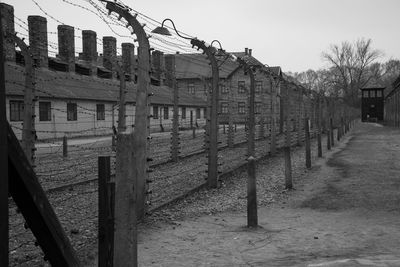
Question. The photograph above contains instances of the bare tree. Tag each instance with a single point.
(349, 64)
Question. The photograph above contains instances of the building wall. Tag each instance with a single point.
(392, 107)
(234, 98)
(87, 123)
(372, 106)
(200, 87)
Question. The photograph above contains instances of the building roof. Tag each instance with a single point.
(275, 70)
(63, 85)
(252, 61)
(373, 85)
(196, 65)
(393, 87)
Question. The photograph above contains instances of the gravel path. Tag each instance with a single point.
(77, 207)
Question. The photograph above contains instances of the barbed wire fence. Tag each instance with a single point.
(66, 152)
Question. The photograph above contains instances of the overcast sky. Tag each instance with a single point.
(288, 33)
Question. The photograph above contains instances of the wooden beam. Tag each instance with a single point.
(106, 213)
(3, 161)
(35, 207)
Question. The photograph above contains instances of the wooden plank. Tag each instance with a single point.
(35, 207)
(252, 217)
(106, 222)
(307, 142)
(125, 250)
(3, 161)
(319, 130)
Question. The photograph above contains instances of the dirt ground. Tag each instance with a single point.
(345, 211)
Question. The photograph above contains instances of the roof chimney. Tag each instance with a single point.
(246, 51)
(250, 50)
(170, 68)
(128, 59)
(7, 16)
(38, 40)
(109, 52)
(66, 45)
(158, 65)
(89, 49)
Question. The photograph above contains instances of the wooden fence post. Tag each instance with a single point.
(261, 134)
(4, 235)
(331, 132)
(122, 95)
(140, 138)
(125, 250)
(288, 168)
(274, 89)
(191, 119)
(252, 217)
(307, 142)
(299, 115)
(106, 209)
(251, 121)
(28, 127)
(286, 150)
(319, 138)
(175, 123)
(230, 137)
(65, 146)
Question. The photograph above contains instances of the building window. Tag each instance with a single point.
(379, 93)
(372, 93)
(72, 112)
(241, 107)
(101, 116)
(365, 93)
(241, 87)
(166, 113)
(191, 89)
(198, 113)
(257, 108)
(224, 89)
(155, 112)
(183, 116)
(45, 111)
(224, 108)
(16, 110)
(258, 87)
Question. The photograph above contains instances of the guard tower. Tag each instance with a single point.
(372, 103)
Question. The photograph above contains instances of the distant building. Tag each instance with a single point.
(80, 96)
(392, 104)
(372, 102)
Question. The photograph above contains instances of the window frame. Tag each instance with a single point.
(191, 88)
(47, 104)
(20, 110)
(258, 87)
(224, 108)
(241, 87)
(100, 114)
(224, 89)
(241, 107)
(372, 93)
(155, 112)
(166, 112)
(198, 113)
(183, 113)
(74, 112)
